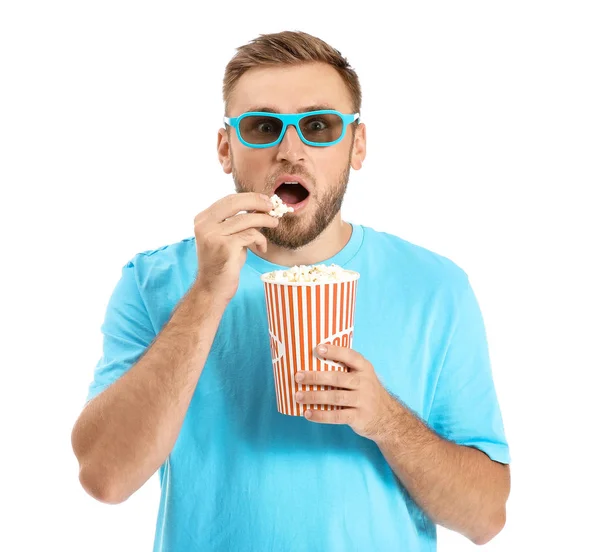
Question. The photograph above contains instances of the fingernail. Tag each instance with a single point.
(265, 197)
(299, 396)
(299, 376)
(322, 349)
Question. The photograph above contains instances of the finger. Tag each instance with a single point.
(252, 237)
(239, 223)
(345, 416)
(351, 358)
(337, 397)
(232, 204)
(342, 380)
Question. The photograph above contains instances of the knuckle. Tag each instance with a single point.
(224, 204)
(199, 226)
(338, 397)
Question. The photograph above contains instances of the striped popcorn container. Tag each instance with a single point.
(301, 316)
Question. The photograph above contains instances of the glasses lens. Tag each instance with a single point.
(258, 129)
(322, 128)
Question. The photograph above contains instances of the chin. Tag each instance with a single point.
(289, 238)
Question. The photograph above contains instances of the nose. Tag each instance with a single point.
(291, 148)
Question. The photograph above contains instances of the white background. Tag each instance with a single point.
(483, 132)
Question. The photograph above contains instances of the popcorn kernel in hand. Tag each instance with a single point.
(279, 207)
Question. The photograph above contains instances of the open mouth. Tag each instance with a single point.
(292, 193)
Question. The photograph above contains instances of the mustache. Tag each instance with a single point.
(291, 169)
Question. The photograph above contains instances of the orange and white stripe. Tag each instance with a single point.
(301, 316)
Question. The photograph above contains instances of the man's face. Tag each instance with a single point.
(324, 170)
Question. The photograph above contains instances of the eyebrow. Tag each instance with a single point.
(270, 109)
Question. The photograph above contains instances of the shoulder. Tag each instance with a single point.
(412, 262)
(171, 258)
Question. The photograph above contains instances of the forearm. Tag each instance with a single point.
(125, 434)
(458, 487)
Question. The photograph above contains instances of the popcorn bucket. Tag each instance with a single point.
(301, 316)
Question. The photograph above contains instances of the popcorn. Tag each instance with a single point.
(279, 207)
(311, 273)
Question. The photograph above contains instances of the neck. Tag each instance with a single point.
(331, 241)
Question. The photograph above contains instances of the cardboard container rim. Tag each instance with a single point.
(355, 276)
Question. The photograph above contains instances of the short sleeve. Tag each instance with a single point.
(465, 406)
(127, 332)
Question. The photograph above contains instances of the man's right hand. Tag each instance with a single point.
(222, 238)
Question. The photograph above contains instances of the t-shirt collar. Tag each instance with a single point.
(341, 258)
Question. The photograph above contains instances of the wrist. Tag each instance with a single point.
(391, 421)
(208, 298)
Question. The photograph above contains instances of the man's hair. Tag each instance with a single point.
(289, 48)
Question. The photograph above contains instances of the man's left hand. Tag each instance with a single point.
(367, 404)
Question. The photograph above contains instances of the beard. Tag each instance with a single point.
(296, 231)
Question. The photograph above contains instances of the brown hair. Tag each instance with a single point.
(289, 48)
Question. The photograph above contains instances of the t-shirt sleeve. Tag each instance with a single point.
(465, 406)
(127, 332)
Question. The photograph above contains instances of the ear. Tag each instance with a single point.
(224, 150)
(359, 147)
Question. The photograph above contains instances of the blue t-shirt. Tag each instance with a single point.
(241, 476)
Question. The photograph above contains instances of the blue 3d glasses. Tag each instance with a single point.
(257, 129)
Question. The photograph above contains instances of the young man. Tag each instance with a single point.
(185, 382)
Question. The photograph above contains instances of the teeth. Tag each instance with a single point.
(291, 182)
